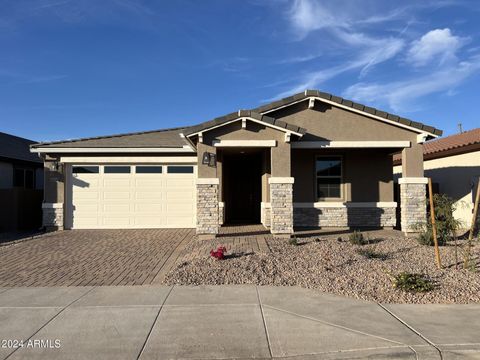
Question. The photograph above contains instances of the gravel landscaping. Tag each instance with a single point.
(334, 265)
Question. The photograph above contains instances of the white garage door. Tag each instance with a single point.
(132, 196)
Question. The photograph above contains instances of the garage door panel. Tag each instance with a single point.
(152, 195)
(186, 196)
(153, 208)
(149, 221)
(116, 183)
(117, 221)
(116, 208)
(157, 200)
(116, 195)
(150, 183)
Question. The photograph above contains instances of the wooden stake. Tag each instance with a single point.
(434, 226)
(475, 212)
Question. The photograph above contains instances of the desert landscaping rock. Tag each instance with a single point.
(332, 265)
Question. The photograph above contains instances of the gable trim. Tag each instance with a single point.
(244, 143)
(184, 149)
(350, 144)
(244, 119)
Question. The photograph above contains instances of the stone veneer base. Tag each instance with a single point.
(281, 206)
(207, 208)
(413, 206)
(52, 216)
(344, 216)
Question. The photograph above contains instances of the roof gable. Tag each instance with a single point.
(350, 105)
(244, 114)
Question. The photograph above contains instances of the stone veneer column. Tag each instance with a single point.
(281, 205)
(207, 207)
(52, 216)
(413, 205)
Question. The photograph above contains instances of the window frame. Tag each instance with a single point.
(129, 172)
(316, 177)
(180, 166)
(24, 171)
(85, 172)
(149, 166)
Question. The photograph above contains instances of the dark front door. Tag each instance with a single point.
(242, 187)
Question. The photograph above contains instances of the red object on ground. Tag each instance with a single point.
(219, 254)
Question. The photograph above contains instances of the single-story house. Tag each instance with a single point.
(453, 163)
(312, 159)
(21, 184)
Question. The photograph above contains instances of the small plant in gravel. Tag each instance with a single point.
(445, 222)
(370, 253)
(293, 241)
(219, 254)
(412, 282)
(356, 238)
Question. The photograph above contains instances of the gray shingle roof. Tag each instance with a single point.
(171, 137)
(155, 138)
(17, 148)
(243, 113)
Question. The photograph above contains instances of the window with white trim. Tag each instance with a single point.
(328, 172)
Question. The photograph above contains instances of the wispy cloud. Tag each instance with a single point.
(439, 45)
(401, 95)
(76, 11)
(364, 51)
(12, 78)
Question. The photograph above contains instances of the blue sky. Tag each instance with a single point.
(76, 68)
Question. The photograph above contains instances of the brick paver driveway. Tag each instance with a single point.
(93, 257)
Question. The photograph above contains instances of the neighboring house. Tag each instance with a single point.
(453, 163)
(312, 159)
(21, 184)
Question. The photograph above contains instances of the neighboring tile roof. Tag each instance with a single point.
(370, 110)
(155, 138)
(451, 142)
(243, 113)
(17, 148)
(439, 146)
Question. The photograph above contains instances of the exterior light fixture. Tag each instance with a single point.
(206, 158)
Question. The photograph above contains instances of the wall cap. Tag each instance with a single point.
(339, 204)
(207, 181)
(281, 180)
(413, 180)
(52, 205)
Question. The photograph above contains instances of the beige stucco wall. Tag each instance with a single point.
(54, 184)
(325, 122)
(455, 175)
(367, 175)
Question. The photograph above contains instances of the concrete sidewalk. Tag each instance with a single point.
(226, 322)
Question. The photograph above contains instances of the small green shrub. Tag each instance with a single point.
(445, 222)
(293, 241)
(370, 253)
(412, 282)
(356, 238)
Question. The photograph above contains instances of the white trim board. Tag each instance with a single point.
(338, 204)
(244, 118)
(244, 143)
(184, 149)
(129, 160)
(413, 180)
(350, 144)
(333, 103)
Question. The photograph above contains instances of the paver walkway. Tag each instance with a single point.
(227, 322)
(92, 257)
